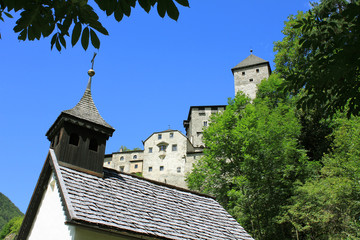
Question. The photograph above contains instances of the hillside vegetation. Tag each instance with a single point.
(8, 210)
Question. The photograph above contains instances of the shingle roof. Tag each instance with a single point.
(85, 114)
(86, 109)
(251, 60)
(127, 203)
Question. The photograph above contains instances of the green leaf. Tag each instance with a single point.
(118, 14)
(125, 7)
(53, 39)
(58, 46)
(184, 3)
(8, 15)
(94, 39)
(85, 38)
(172, 10)
(62, 40)
(22, 35)
(97, 25)
(161, 8)
(76, 33)
(145, 5)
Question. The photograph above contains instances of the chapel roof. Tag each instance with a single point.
(123, 203)
(85, 114)
(85, 109)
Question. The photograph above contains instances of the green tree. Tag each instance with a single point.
(253, 159)
(42, 18)
(327, 206)
(8, 210)
(12, 227)
(324, 57)
(315, 122)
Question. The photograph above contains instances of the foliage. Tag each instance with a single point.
(253, 159)
(324, 57)
(327, 206)
(125, 149)
(7, 210)
(42, 18)
(13, 226)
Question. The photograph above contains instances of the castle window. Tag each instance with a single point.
(257, 70)
(135, 157)
(243, 73)
(162, 148)
(122, 158)
(159, 136)
(121, 168)
(171, 135)
(150, 149)
(161, 168)
(201, 113)
(93, 145)
(174, 147)
(250, 80)
(150, 169)
(205, 123)
(178, 169)
(136, 166)
(74, 139)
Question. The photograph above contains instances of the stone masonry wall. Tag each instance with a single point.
(243, 76)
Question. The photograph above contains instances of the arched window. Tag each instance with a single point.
(135, 157)
(93, 145)
(74, 139)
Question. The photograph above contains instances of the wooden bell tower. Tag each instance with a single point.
(79, 135)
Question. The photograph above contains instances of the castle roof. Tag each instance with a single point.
(251, 60)
(129, 205)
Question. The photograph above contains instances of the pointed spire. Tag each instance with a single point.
(85, 109)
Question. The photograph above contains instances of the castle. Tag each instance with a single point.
(169, 155)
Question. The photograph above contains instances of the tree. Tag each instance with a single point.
(8, 210)
(42, 18)
(252, 159)
(325, 57)
(327, 206)
(12, 227)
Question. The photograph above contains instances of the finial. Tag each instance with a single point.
(91, 71)
(251, 51)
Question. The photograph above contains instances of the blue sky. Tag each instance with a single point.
(149, 71)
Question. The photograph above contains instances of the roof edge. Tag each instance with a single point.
(162, 184)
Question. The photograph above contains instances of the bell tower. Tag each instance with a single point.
(79, 135)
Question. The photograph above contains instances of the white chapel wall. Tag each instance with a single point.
(49, 222)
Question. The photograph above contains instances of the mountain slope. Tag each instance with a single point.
(8, 210)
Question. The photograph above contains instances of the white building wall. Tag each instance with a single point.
(166, 166)
(200, 119)
(49, 222)
(126, 161)
(89, 234)
(246, 79)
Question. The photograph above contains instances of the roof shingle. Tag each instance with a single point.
(125, 202)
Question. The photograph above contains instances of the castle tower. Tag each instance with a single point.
(249, 73)
(78, 136)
